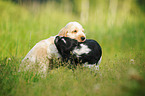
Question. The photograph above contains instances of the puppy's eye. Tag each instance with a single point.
(75, 31)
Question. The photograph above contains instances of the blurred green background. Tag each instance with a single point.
(118, 26)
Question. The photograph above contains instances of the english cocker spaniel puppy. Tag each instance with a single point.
(45, 50)
(87, 53)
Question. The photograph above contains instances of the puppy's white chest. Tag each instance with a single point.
(83, 50)
(52, 52)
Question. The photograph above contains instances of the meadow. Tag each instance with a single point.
(121, 35)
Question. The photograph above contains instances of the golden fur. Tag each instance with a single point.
(73, 30)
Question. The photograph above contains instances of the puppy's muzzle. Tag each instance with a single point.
(83, 38)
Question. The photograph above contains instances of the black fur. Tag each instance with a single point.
(66, 49)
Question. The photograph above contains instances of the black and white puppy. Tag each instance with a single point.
(88, 53)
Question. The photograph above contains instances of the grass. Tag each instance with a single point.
(122, 70)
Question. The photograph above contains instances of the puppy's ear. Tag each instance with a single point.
(56, 39)
(76, 42)
(63, 32)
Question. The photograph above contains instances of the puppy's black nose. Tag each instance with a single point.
(83, 38)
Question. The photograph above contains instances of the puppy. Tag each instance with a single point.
(88, 51)
(42, 53)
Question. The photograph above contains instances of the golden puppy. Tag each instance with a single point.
(45, 50)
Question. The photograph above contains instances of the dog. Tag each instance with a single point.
(88, 52)
(44, 51)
